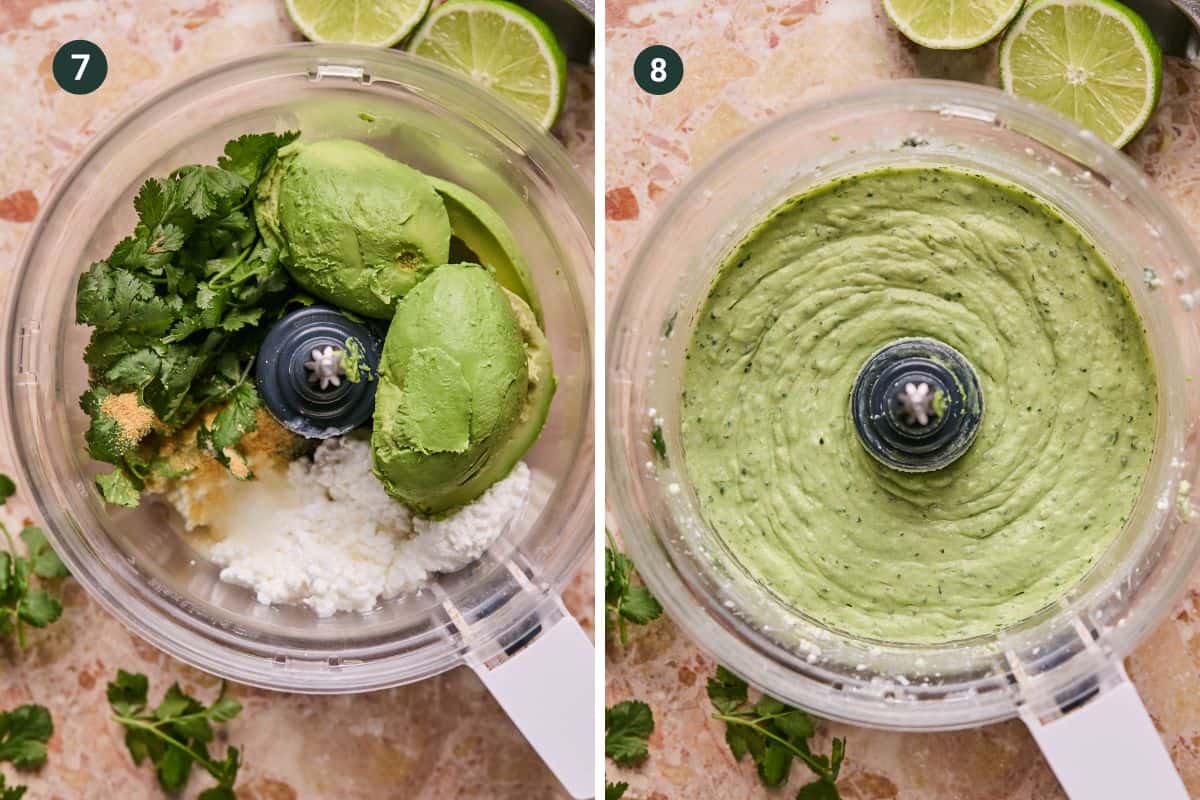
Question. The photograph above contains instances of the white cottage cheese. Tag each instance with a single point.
(328, 536)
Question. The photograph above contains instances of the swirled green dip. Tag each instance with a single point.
(1069, 390)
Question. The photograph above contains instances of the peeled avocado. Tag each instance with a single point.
(357, 229)
(465, 384)
(484, 232)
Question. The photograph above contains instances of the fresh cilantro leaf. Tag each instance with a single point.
(117, 488)
(796, 725)
(173, 768)
(820, 789)
(24, 732)
(237, 418)
(774, 734)
(639, 606)
(175, 734)
(627, 726)
(775, 764)
(112, 299)
(726, 691)
(249, 155)
(39, 608)
(127, 695)
(7, 488)
(622, 600)
(239, 318)
(151, 203)
(10, 792)
(206, 191)
(217, 793)
(615, 791)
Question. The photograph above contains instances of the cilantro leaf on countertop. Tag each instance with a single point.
(11, 792)
(176, 733)
(24, 732)
(177, 311)
(21, 602)
(627, 726)
(624, 601)
(612, 791)
(774, 734)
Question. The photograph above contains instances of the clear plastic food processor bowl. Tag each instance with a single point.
(1064, 657)
(139, 566)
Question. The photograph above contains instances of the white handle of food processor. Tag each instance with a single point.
(548, 690)
(1108, 748)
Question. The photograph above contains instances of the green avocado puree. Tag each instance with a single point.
(1069, 389)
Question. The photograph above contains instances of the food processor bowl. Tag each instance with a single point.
(502, 615)
(1065, 656)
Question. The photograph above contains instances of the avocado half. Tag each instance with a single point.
(356, 228)
(465, 386)
(484, 232)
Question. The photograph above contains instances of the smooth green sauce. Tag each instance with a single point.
(1069, 389)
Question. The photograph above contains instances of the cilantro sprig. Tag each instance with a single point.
(175, 734)
(21, 602)
(774, 734)
(627, 728)
(624, 601)
(24, 732)
(178, 310)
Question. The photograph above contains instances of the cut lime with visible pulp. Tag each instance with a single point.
(951, 24)
(502, 47)
(381, 23)
(1093, 60)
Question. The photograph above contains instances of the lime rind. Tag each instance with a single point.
(432, 40)
(319, 29)
(1118, 84)
(933, 23)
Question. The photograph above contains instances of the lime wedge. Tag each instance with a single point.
(381, 23)
(1093, 60)
(951, 24)
(502, 47)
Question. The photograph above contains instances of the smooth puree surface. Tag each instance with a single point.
(1069, 389)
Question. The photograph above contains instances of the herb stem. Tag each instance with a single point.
(136, 722)
(818, 769)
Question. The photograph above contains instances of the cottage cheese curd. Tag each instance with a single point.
(325, 534)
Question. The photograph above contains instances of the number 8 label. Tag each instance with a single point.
(658, 69)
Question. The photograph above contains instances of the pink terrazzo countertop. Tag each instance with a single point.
(444, 738)
(746, 60)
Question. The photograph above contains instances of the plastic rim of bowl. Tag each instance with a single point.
(478, 612)
(1055, 658)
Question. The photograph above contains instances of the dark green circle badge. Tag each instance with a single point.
(658, 69)
(80, 67)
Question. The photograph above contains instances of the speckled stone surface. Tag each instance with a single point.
(444, 738)
(746, 61)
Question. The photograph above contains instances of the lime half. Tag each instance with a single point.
(1093, 60)
(951, 24)
(381, 23)
(500, 46)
